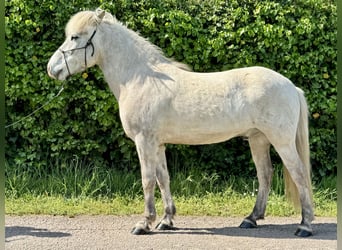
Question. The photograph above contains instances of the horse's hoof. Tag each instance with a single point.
(248, 224)
(303, 233)
(162, 226)
(140, 231)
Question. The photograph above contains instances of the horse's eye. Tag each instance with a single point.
(74, 38)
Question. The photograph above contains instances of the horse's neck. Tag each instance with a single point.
(122, 61)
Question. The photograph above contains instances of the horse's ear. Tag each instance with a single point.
(100, 14)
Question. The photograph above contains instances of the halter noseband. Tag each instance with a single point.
(89, 43)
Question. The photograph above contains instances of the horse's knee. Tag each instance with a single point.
(148, 184)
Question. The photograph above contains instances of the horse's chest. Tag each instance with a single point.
(139, 116)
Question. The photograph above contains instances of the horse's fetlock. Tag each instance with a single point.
(151, 218)
(171, 210)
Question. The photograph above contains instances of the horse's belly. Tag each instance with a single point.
(196, 140)
(197, 135)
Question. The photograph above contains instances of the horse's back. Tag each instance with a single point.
(213, 107)
(239, 92)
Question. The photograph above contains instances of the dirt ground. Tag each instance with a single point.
(113, 232)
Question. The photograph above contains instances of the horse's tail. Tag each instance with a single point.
(303, 149)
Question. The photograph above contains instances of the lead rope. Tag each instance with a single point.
(35, 111)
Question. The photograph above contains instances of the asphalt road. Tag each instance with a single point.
(113, 232)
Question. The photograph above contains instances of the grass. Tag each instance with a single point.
(74, 189)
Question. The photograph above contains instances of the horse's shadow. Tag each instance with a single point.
(13, 231)
(322, 231)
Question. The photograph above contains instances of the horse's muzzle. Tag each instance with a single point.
(53, 73)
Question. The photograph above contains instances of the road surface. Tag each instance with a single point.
(113, 232)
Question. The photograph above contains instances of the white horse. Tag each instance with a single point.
(160, 102)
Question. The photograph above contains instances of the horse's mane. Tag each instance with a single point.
(83, 19)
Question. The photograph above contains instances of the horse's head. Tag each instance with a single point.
(78, 51)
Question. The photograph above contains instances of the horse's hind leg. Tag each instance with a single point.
(299, 175)
(260, 148)
(163, 181)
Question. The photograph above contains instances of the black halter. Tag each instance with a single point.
(89, 43)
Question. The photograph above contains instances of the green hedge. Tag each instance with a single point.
(295, 38)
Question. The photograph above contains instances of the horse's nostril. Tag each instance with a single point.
(49, 69)
(52, 73)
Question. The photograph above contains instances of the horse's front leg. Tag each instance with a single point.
(148, 157)
(163, 181)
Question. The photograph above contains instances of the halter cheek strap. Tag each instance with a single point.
(89, 43)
